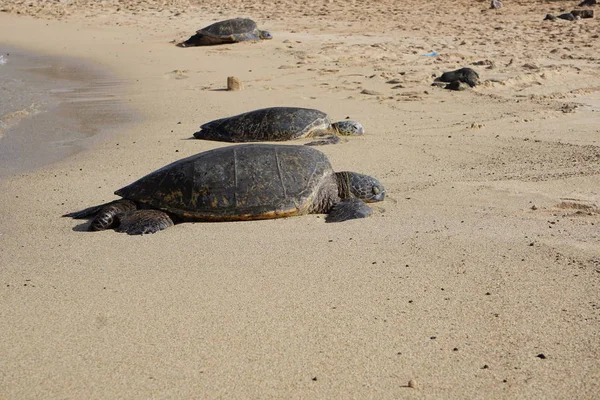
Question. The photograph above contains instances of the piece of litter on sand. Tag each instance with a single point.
(432, 54)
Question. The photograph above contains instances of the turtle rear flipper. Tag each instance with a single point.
(199, 39)
(140, 222)
(86, 213)
(121, 206)
(348, 209)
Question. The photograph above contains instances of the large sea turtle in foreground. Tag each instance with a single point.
(229, 31)
(237, 183)
(278, 124)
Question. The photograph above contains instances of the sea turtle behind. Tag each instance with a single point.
(237, 183)
(277, 124)
(229, 31)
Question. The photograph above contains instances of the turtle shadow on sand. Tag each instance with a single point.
(237, 183)
(83, 227)
(228, 31)
(279, 124)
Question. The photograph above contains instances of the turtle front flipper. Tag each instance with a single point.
(140, 222)
(329, 139)
(351, 208)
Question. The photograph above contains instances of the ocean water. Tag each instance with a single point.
(50, 108)
(19, 99)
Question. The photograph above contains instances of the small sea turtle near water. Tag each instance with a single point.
(237, 183)
(278, 124)
(229, 31)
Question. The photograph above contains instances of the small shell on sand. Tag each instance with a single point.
(413, 384)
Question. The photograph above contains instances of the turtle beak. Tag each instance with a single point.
(378, 194)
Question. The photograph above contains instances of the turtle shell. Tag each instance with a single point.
(237, 183)
(266, 124)
(232, 30)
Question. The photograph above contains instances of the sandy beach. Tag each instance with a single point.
(478, 277)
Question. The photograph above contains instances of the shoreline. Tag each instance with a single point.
(76, 105)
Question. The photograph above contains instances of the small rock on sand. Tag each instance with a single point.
(370, 92)
(496, 4)
(234, 83)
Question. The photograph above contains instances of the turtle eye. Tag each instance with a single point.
(375, 190)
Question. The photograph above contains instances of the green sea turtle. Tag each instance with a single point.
(229, 31)
(278, 124)
(237, 183)
(466, 75)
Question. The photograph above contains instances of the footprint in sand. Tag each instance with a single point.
(177, 74)
(577, 206)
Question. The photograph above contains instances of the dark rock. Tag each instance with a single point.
(550, 17)
(587, 3)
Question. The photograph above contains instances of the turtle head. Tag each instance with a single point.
(265, 35)
(349, 128)
(364, 187)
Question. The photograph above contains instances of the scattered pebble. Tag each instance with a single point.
(531, 66)
(370, 92)
(413, 384)
(234, 83)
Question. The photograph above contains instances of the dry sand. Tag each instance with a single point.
(477, 277)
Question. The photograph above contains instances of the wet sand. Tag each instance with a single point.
(52, 107)
(477, 277)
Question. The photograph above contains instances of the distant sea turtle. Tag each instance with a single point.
(237, 183)
(229, 31)
(466, 75)
(277, 124)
